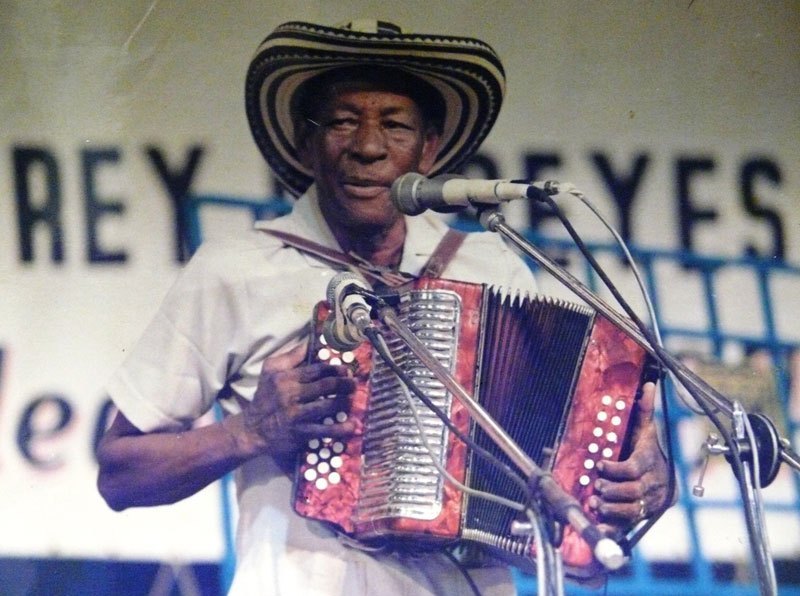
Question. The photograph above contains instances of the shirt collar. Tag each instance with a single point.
(423, 232)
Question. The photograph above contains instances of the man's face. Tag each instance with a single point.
(361, 141)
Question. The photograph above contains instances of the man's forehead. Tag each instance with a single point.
(358, 98)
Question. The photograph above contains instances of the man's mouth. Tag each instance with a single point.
(364, 188)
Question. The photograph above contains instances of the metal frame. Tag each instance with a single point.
(698, 575)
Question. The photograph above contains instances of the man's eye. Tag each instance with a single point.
(342, 124)
(397, 125)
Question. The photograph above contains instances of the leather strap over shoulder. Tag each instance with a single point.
(444, 253)
(435, 266)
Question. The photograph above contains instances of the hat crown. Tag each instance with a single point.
(373, 26)
(465, 72)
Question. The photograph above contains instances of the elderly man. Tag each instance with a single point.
(339, 114)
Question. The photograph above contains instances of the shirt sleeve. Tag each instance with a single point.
(180, 364)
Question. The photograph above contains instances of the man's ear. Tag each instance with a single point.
(302, 139)
(430, 149)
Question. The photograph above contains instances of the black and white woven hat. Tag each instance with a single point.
(465, 72)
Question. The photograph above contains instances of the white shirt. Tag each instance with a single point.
(238, 302)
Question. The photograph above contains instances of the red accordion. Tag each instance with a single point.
(559, 378)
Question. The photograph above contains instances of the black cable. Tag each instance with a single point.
(373, 334)
(665, 359)
(467, 577)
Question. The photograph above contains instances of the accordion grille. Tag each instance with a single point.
(398, 476)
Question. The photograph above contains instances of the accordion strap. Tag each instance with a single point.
(436, 264)
(443, 253)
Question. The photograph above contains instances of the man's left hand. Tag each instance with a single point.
(631, 490)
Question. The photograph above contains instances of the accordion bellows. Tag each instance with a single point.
(560, 379)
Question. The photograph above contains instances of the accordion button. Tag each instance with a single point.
(593, 448)
(620, 405)
(616, 420)
(313, 444)
(310, 474)
(337, 447)
(584, 480)
(328, 421)
(608, 452)
(348, 357)
(612, 437)
(335, 361)
(597, 432)
(312, 459)
(336, 462)
(341, 416)
(606, 400)
(334, 478)
(588, 464)
(321, 484)
(602, 416)
(323, 467)
(323, 354)
(324, 453)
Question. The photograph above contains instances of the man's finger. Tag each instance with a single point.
(286, 360)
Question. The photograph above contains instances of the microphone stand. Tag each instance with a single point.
(764, 452)
(561, 504)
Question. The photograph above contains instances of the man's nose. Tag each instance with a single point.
(369, 141)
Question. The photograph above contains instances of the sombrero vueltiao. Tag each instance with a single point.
(466, 72)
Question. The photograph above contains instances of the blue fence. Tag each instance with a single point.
(710, 332)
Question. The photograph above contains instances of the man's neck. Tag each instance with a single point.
(379, 246)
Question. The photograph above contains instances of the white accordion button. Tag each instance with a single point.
(313, 444)
(336, 462)
(324, 453)
(335, 360)
(616, 420)
(602, 416)
(584, 480)
(606, 400)
(593, 448)
(588, 464)
(334, 478)
(620, 405)
(597, 432)
(323, 467)
(338, 447)
(323, 354)
(321, 484)
(341, 416)
(312, 459)
(608, 452)
(612, 437)
(310, 474)
(348, 357)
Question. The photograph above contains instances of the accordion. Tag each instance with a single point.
(558, 377)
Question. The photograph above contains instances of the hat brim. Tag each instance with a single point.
(466, 73)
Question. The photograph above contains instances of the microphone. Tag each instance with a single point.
(350, 313)
(413, 193)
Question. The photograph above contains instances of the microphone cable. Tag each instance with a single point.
(547, 554)
(376, 338)
(665, 360)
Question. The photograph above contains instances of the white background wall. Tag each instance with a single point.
(688, 78)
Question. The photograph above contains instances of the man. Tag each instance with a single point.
(349, 111)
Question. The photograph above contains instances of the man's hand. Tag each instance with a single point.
(293, 398)
(631, 490)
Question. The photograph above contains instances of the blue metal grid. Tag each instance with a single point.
(696, 575)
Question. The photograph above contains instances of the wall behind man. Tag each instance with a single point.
(680, 119)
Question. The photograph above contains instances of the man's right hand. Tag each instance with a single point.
(293, 398)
